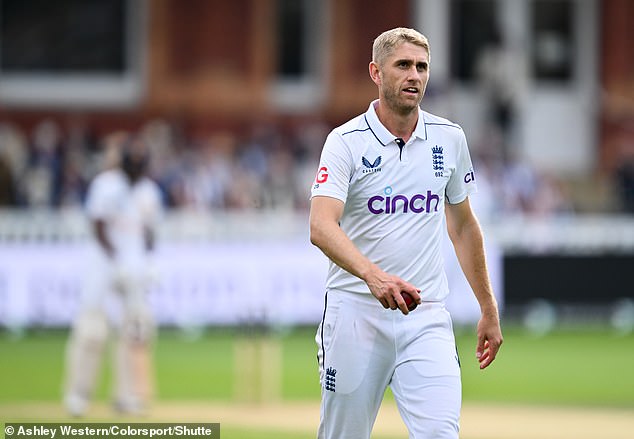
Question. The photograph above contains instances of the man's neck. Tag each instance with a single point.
(401, 125)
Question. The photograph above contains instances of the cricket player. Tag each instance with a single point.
(386, 182)
(123, 206)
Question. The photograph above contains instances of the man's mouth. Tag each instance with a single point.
(411, 90)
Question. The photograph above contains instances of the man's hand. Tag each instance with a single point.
(489, 339)
(387, 290)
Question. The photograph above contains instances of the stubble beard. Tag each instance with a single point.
(399, 105)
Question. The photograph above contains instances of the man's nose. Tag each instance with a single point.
(413, 73)
(413, 69)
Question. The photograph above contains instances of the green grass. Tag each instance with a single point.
(195, 369)
(573, 367)
(566, 367)
(31, 368)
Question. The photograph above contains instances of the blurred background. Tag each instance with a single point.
(235, 99)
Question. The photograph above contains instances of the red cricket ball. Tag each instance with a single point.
(409, 300)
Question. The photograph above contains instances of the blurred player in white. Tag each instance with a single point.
(123, 206)
(387, 180)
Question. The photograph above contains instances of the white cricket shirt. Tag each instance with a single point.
(126, 208)
(395, 196)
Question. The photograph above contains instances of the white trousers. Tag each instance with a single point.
(363, 348)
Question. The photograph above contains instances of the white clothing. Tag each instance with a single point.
(364, 347)
(394, 195)
(127, 210)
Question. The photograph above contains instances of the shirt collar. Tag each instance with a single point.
(382, 134)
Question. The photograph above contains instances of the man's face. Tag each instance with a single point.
(403, 77)
(135, 160)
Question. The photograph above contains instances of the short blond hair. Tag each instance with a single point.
(385, 43)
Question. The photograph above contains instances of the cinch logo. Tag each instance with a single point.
(371, 167)
(322, 175)
(418, 203)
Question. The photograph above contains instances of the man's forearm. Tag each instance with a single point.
(335, 244)
(102, 238)
(470, 252)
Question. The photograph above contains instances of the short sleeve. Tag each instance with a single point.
(334, 171)
(462, 182)
(101, 199)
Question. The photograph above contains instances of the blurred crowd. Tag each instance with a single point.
(265, 168)
(51, 167)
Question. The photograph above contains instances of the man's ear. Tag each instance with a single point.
(375, 73)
